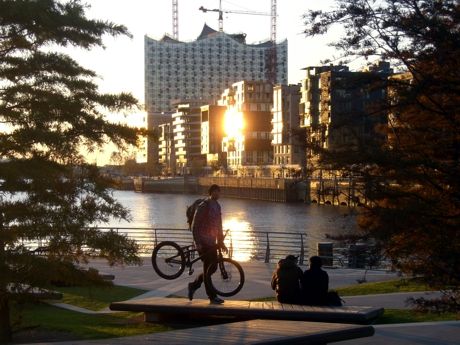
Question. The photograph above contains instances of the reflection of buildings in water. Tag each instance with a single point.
(241, 236)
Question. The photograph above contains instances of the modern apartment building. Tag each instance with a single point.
(248, 126)
(166, 150)
(202, 69)
(288, 137)
(212, 133)
(186, 122)
(339, 107)
(309, 107)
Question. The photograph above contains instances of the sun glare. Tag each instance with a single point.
(234, 123)
(242, 239)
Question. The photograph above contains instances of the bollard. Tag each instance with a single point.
(325, 251)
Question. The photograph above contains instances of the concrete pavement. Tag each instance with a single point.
(420, 333)
(257, 279)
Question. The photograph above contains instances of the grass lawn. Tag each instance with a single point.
(46, 319)
(96, 297)
(390, 286)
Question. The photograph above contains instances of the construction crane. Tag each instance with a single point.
(175, 19)
(271, 58)
(221, 12)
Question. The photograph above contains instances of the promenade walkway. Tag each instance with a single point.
(257, 274)
(257, 285)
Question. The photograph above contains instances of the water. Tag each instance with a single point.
(246, 218)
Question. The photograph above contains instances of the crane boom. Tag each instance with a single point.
(234, 11)
(221, 12)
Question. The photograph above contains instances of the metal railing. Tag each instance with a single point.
(267, 246)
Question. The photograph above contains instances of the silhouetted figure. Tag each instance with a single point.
(286, 280)
(208, 236)
(315, 284)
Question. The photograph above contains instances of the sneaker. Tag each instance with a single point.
(216, 300)
(191, 291)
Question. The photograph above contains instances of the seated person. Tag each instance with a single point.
(315, 284)
(286, 280)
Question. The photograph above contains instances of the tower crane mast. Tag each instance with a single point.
(175, 19)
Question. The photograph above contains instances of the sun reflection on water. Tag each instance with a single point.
(241, 238)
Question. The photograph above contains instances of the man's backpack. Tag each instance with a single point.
(333, 299)
(190, 213)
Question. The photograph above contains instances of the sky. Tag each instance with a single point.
(120, 65)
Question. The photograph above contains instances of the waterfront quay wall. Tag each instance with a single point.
(178, 185)
(344, 192)
(268, 189)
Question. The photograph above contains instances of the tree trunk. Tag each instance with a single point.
(5, 327)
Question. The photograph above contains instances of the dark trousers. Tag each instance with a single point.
(208, 256)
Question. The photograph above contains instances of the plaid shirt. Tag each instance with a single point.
(207, 224)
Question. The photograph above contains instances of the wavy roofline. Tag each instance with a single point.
(207, 32)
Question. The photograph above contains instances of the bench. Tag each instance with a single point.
(258, 332)
(160, 309)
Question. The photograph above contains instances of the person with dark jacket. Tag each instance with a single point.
(315, 284)
(286, 280)
(208, 236)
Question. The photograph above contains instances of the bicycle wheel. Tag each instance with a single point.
(168, 260)
(225, 277)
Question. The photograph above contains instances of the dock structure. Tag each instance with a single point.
(251, 332)
(157, 309)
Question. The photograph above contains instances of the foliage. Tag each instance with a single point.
(411, 180)
(392, 316)
(447, 303)
(50, 112)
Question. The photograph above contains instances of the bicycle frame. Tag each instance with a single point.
(189, 253)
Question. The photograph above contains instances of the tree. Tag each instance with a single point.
(411, 178)
(50, 110)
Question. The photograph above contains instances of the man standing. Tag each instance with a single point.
(208, 236)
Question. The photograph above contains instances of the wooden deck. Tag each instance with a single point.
(156, 308)
(264, 332)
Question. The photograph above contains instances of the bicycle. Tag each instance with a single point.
(225, 277)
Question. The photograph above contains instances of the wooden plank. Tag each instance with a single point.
(256, 305)
(277, 306)
(246, 309)
(261, 332)
(268, 305)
